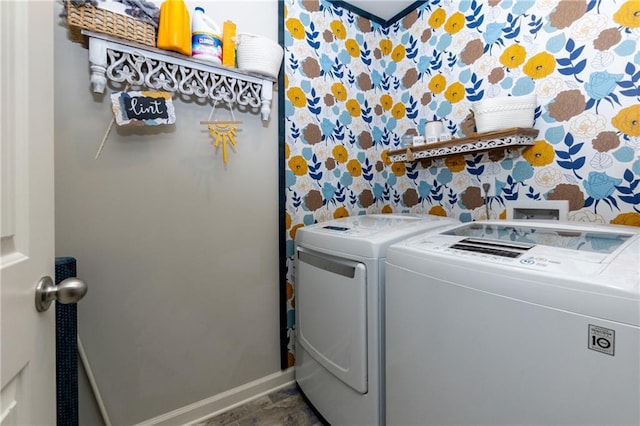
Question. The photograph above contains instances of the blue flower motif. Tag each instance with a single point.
(307, 153)
(600, 185)
(344, 57)
(327, 127)
(308, 219)
(636, 167)
(554, 135)
(391, 68)
(376, 78)
(424, 189)
(445, 176)
(378, 190)
(345, 118)
(290, 248)
(326, 63)
(524, 86)
(601, 84)
(506, 83)
(465, 217)
(289, 178)
(328, 191)
(556, 43)
(444, 109)
(522, 171)
(624, 154)
(522, 6)
(289, 109)
(376, 133)
(444, 42)
(627, 47)
(492, 34)
(423, 64)
(507, 164)
(392, 179)
(346, 179)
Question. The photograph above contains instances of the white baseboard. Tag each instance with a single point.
(209, 407)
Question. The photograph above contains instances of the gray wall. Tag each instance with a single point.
(180, 251)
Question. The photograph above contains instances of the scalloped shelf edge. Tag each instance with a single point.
(168, 71)
(514, 137)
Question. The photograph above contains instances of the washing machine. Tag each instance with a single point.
(514, 323)
(339, 281)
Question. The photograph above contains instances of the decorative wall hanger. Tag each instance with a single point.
(143, 108)
(223, 132)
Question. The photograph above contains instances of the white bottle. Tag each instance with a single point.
(206, 40)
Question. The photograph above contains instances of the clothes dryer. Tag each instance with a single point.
(514, 323)
(339, 285)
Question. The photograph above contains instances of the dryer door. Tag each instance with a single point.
(331, 302)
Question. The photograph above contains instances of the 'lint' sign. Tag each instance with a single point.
(143, 108)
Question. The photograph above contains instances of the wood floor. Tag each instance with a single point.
(285, 407)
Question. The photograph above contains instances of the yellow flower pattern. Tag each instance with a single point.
(455, 23)
(398, 169)
(398, 111)
(353, 108)
(455, 92)
(386, 102)
(297, 97)
(354, 167)
(628, 15)
(295, 28)
(437, 84)
(513, 56)
(438, 211)
(540, 154)
(339, 91)
(352, 47)
(340, 153)
(298, 165)
(398, 53)
(627, 120)
(455, 163)
(385, 46)
(628, 219)
(338, 29)
(437, 18)
(540, 65)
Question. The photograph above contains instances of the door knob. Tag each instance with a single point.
(70, 290)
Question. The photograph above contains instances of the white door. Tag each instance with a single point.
(27, 343)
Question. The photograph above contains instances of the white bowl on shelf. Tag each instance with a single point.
(506, 112)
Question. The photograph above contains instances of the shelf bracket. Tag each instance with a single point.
(121, 61)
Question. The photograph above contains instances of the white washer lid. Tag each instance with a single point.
(367, 235)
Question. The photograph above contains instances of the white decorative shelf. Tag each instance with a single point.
(123, 61)
(478, 142)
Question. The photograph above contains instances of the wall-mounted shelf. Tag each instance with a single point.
(478, 142)
(131, 63)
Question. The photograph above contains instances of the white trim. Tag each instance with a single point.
(217, 404)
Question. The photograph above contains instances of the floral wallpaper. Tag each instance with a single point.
(354, 88)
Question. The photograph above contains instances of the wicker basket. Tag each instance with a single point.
(89, 17)
(492, 114)
(259, 54)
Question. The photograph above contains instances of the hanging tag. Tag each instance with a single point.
(410, 156)
(143, 108)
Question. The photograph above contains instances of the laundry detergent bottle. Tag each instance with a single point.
(174, 30)
(206, 39)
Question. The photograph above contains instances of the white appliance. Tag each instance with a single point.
(514, 323)
(339, 273)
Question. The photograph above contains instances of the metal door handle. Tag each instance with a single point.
(70, 290)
